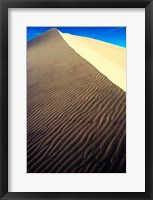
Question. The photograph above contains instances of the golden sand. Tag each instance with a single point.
(109, 59)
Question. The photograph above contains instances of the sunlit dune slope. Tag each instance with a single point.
(109, 59)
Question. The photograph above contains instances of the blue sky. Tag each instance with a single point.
(113, 35)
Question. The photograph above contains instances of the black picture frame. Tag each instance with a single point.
(4, 6)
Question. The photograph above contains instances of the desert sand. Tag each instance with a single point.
(76, 116)
(109, 59)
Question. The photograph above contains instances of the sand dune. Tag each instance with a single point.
(76, 117)
(109, 59)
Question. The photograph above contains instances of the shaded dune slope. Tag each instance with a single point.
(76, 117)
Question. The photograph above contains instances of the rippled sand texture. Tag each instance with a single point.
(76, 117)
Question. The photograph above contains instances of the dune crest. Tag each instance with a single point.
(109, 59)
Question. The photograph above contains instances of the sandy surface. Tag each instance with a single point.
(76, 117)
(109, 59)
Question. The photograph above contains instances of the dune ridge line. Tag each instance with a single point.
(107, 58)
